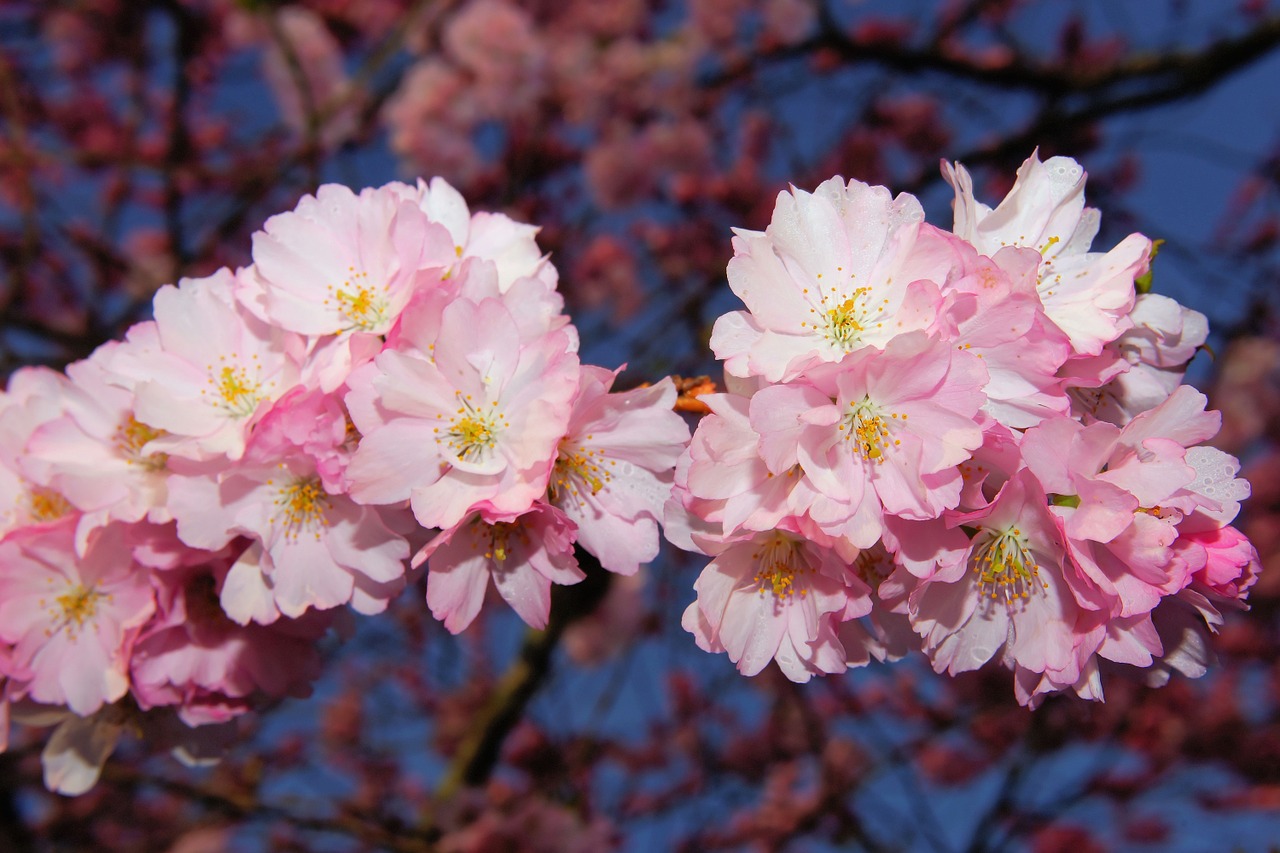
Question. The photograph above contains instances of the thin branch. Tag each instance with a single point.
(22, 163)
(479, 751)
(185, 39)
(311, 147)
(255, 187)
(246, 806)
(1209, 63)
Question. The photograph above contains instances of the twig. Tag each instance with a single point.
(311, 147)
(23, 170)
(185, 37)
(479, 751)
(255, 187)
(246, 806)
(1021, 73)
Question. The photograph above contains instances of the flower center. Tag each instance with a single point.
(73, 608)
(131, 436)
(302, 505)
(232, 389)
(45, 504)
(873, 565)
(364, 306)
(778, 568)
(1090, 400)
(498, 535)
(494, 540)
(868, 431)
(578, 470)
(1005, 566)
(844, 322)
(473, 433)
(842, 317)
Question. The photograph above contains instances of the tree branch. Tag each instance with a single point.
(255, 187)
(1199, 68)
(185, 37)
(479, 751)
(246, 806)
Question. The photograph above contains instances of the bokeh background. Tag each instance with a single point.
(145, 140)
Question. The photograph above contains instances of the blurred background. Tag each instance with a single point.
(145, 140)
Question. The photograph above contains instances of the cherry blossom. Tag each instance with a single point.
(72, 621)
(343, 263)
(1007, 596)
(836, 270)
(774, 597)
(477, 422)
(1087, 294)
(522, 553)
(613, 467)
(205, 369)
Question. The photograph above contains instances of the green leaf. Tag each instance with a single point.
(1143, 282)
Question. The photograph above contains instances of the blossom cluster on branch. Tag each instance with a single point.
(973, 442)
(191, 509)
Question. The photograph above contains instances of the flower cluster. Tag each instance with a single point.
(189, 510)
(974, 442)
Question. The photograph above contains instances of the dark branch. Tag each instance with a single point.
(1198, 68)
(478, 753)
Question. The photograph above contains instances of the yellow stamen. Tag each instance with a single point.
(73, 609)
(473, 433)
(779, 567)
(364, 305)
(234, 392)
(44, 504)
(578, 470)
(132, 436)
(1005, 566)
(868, 430)
(302, 505)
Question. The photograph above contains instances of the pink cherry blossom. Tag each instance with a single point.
(194, 657)
(532, 301)
(204, 370)
(994, 313)
(98, 454)
(1231, 563)
(1008, 596)
(612, 473)
(478, 422)
(35, 396)
(511, 246)
(1087, 294)
(1125, 492)
(845, 267)
(343, 263)
(1164, 338)
(522, 553)
(728, 480)
(315, 424)
(316, 549)
(776, 596)
(72, 621)
(879, 428)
